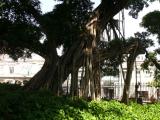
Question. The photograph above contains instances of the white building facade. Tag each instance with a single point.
(17, 71)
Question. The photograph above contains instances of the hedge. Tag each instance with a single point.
(16, 104)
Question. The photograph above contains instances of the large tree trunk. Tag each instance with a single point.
(89, 73)
(127, 80)
(43, 78)
(74, 89)
(47, 77)
(125, 97)
(97, 79)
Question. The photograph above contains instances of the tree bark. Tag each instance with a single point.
(97, 80)
(47, 77)
(74, 89)
(43, 78)
(125, 97)
(127, 80)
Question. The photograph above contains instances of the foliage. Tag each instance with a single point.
(109, 66)
(157, 78)
(151, 22)
(148, 61)
(136, 6)
(22, 24)
(118, 49)
(156, 82)
(18, 28)
(16, 104)
(66, 23)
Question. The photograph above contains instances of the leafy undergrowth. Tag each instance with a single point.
(16, 104)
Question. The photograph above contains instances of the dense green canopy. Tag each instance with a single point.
(22, 24)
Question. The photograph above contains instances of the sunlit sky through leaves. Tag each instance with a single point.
(131, 24)
(47, 5)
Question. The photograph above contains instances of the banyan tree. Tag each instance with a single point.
(73, 24)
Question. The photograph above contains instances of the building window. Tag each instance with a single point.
(11, 70)
(138, 57)
(147, 72)
(138, 72)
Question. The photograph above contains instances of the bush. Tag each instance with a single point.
(16, 104)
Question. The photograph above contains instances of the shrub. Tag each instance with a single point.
(16, 104)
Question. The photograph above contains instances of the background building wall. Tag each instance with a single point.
(23, 69)
(115, 84)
